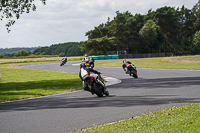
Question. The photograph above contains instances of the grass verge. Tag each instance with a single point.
(184, 119)
(192, 63)
(18, 84)
(38, 60)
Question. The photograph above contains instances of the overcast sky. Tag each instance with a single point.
(62, 21)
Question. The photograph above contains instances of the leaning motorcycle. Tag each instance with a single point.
(97, 84)
(62, 62)
(132, 70)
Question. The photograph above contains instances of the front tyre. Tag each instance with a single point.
(134, 72)
(96, 90)
(61, 64)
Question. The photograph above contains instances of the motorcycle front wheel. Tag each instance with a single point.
(134, 72)
(96, 90)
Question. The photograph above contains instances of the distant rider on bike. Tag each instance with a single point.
(64, 59)
(127, 66)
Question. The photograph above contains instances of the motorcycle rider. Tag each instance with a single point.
(64, 60)
(86, 56)
(89, 61)
(127, 66)
(84, 72)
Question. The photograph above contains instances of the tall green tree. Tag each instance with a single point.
(119, 29)
(97, 32)
(149, 34)
(168, 20)
(134, 40)
(196, 12)
(98, 46)
(196, 42)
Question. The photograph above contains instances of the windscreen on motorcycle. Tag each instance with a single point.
(84, 73)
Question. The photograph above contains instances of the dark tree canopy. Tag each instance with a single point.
(166, 29)
(10, 9)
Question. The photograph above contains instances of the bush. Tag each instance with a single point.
(61, 54)
(1, 56)
(21, 53)
(196, 41)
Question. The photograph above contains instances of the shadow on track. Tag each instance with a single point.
(157, 83)
(80, 100)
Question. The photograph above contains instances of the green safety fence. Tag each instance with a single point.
(105, 57)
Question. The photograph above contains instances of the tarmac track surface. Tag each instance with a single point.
(152, 91)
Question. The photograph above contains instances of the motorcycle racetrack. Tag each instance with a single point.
(155, 89)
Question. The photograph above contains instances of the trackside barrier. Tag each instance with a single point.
(105, 57)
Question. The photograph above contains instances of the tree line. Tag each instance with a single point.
(21, 51)
(61, 49)
(167, 29)
(14, 50)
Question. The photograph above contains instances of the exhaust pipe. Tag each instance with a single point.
(99, 81)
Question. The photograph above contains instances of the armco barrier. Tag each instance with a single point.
(95, 57)
(115, 56)
(105, 57)
(147, 55)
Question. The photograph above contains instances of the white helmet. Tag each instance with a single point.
(86, 59)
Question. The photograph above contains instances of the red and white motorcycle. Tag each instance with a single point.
(96, 84)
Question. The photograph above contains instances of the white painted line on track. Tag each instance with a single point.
(78, 64)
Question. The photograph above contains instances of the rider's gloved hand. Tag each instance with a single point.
(98, 73)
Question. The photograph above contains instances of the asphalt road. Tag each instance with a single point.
(152, 91)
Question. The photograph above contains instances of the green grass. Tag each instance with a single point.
(155, 63)
(18, 84)
(183, 119)
(188, 58)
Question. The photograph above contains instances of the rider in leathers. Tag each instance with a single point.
(84, 72)
(127, 65)
(64, 59)
(89, 60)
